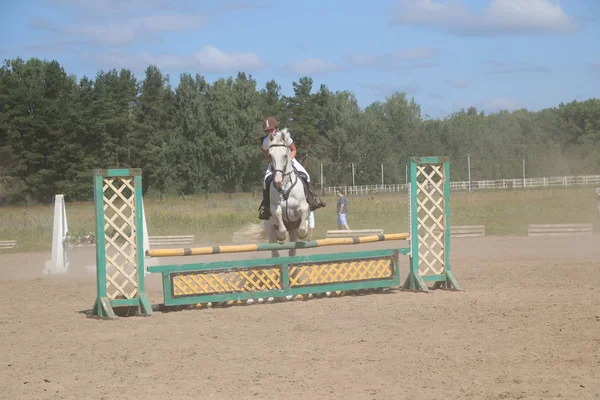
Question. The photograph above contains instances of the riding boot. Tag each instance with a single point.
(264, 211)
(314, 201)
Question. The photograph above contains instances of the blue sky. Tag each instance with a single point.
(491, 54)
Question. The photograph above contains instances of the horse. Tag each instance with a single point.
(288, 205)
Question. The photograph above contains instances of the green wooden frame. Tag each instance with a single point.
(104, 305)
(284, 264)
(415, 280)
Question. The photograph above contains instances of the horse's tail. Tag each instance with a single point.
(251, 233)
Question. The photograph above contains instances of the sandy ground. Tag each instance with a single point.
(527, 326)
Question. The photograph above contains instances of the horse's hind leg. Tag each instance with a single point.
(293, 238)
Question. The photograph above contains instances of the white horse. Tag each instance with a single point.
(289, 208)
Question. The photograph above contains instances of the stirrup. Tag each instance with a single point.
(264, 213)
(316, 203)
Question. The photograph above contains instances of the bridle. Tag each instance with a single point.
(292, 171)
(284, 193)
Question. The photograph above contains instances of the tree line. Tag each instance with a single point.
(203, 137)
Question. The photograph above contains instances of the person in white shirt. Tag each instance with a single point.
(270, 126)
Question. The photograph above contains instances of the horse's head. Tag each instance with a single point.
(280, 157)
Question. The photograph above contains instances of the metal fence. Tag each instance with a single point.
(553, 181)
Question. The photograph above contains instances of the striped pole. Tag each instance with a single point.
(242, 248)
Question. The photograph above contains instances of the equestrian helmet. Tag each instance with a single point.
(270, 123)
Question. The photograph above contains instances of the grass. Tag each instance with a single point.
(213, 219)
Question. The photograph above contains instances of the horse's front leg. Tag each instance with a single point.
(303, 228)
(281, 232)
(272, 238)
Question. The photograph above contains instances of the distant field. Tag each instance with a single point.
(214, 218)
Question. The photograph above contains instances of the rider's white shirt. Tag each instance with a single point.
(265, 143)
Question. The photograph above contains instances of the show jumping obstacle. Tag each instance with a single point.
(120, 256)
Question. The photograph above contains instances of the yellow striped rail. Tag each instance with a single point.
(243, 248)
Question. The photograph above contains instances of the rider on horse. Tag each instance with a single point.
(270, 127)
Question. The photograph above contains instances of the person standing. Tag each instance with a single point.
(342, 210)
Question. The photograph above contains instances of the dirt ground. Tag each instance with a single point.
(527, 326)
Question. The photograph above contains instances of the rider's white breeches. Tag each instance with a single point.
(295, 164)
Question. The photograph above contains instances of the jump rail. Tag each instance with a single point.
(462, 231)
(8, 244)
(242, 248)
(120, 252)
(171, 240)
(559, 229)
(355, 232)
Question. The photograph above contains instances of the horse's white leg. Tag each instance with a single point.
(273, 239)
(303, 228)
(293, 238)
(270, 231)
(277, 215)
(281, 227)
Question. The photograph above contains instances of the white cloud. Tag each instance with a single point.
(119, 7)
(311, 66)
(48, 48)
(501, 103)
(394, 60)
(211, 59)
(500, 17)
(120, 23)
(127, 31)
(208, 60)
(115, 6)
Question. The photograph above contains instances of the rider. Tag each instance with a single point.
(270, 125)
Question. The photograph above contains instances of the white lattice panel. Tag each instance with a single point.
(121, 238)
(431, 218)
